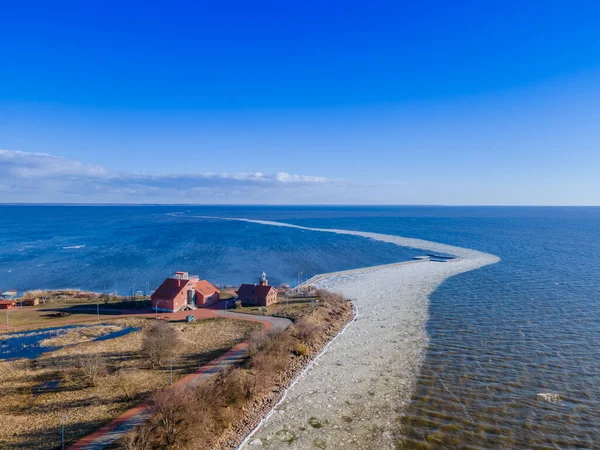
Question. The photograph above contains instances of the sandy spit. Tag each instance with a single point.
(353, 396)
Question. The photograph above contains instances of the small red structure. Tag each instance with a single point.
(258, 294)
(183, 291)
(31, 302)
(7, 304)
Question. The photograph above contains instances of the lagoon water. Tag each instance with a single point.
(28, 344)
(514, 355)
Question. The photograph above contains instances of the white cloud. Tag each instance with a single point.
(46, 177)
(26, 165)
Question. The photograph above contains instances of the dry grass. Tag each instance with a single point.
(80, 335)
(31, 316)
(32, 416)
(227, 294)
(291, 307)
(68, 296)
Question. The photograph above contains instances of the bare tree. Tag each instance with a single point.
(125, 384)
(138, 439)
(171, 412)
(159, 344)
(92, 367)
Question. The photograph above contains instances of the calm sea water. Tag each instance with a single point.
(117, 248)
(499, 336)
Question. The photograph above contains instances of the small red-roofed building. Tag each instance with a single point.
(30, 302)
(183, 291)
(261, 294)
(7, 304)
(206, 293)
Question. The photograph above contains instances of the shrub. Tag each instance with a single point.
(92, 366)
(277, 344)
(171, 424)
(138, 439)
(301, 349)
(172, 414)
(235, 386)
(330, 297)
(159, 344)
(269, 353)
(37, 293)
(307, 331)
(210, 407)
(265, 367)
(124, 384)
(238, 304)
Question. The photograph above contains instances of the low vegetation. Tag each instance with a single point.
(160, 343)
(210, 416)
(79, 335)
(34, 317)
(68, 297)
(291, 307)
(93, 382)
(92, 367)
(57, 307)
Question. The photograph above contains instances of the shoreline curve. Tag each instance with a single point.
(354, 393)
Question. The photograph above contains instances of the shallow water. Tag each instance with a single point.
(28, 344)
(504, 334)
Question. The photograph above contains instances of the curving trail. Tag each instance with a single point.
(353, 396)
(116, 429)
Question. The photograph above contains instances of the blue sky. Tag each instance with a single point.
(300, 102)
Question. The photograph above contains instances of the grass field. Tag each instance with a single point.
(227, 294)
(293, 308)
(40, 315)
(31, 316)
(38, 394)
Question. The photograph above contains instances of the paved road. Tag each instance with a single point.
(276, 323)
(108, 434)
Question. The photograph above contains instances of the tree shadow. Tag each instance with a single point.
(50, 437)
(190, 363)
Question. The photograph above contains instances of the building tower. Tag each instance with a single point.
(263, 280)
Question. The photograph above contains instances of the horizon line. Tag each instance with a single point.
(419, 205)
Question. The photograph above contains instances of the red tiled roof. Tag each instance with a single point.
(170, 288)
(253, 290)
(205, 288)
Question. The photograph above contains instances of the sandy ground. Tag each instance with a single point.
(355, 393)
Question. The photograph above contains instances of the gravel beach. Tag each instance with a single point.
(354, 394)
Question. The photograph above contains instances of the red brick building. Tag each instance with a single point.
(183, 291)
(260, 294)
(7, 304)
